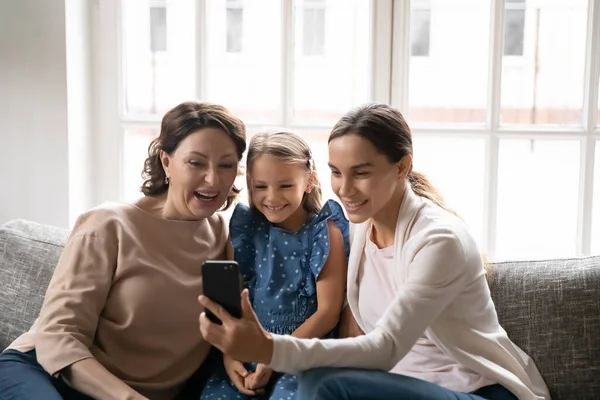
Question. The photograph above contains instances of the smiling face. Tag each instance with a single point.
(201, 172)
(365, 180)
(278, 190)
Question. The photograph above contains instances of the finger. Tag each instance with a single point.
(212, 332)
(248, 382)
(247, 310)
(239, 369)
(257, 383)
(216, 309)
(238, 381)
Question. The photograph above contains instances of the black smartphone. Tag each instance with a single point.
(222, 284)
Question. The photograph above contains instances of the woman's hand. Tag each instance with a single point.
(348, 326)
(259, 378)
(243, 339)
(238, 375)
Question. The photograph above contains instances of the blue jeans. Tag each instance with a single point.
(23, 378)
(358, 384)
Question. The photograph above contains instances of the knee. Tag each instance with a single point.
(321, 384)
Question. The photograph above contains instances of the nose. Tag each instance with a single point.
(346, 187)
(271, 193)
(212, 176)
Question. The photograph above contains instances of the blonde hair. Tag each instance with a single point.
(288, 148)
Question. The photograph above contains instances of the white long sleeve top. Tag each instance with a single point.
(442, 289)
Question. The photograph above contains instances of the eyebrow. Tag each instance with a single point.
(202, 155)
(280, 182)
(354, 167)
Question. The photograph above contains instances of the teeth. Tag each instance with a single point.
(274, 208)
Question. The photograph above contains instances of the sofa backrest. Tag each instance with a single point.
(551, 309)
(28, 254)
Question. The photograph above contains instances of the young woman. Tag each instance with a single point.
(416, 288)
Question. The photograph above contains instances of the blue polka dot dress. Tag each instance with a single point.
(280, 269)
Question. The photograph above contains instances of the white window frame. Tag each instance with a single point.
(390, 60)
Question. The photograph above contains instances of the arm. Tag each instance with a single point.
(90, 377)
(437, 274)
(68, 319)
(331, 288)
(348, 325)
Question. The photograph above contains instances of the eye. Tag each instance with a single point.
(194, 163)
(286, 186)
(228, 165)
(335, 172)
(362, 174)
(260, 187)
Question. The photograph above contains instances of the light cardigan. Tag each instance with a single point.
(442, 289)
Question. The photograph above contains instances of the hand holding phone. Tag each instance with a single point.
(222, 284)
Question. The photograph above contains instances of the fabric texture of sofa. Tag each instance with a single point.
(551, 309)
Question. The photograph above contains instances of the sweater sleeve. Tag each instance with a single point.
(436, 275)
(76, 295)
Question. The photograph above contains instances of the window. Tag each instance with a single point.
(514, 27)
(503, 106)
(235, 26)
(420, 28)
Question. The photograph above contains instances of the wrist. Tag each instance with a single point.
(268, 347)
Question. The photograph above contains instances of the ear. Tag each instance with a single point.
(404, 166)
(164, 160)
(312, 180)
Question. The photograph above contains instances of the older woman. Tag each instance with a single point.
(119, 320)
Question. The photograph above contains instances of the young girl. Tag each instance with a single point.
(292, 254)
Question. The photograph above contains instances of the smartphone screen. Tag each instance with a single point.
(222, 284)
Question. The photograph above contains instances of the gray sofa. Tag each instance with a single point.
(551, 309)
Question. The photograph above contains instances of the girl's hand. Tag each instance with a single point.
(238, 375)
(348, 326)
(243, 339)
(260, 378)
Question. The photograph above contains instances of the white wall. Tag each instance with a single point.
(33, 111)
(45, 103)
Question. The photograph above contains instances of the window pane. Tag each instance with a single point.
(420, 26)
(596, 205)
(313, 31)
(542, 72)
(538, 187)
(456, 167)
(450, 84)
(598, 107)
(158, 61)
(135, 151)
(247, 79)
(235, 29)
(334, 77)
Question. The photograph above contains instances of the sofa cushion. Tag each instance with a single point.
(28, 254)
(551, 309)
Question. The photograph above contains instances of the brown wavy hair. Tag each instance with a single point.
(177, 124)
(386, 128)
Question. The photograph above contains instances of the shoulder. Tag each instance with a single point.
(104, 219)
(438, 235)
